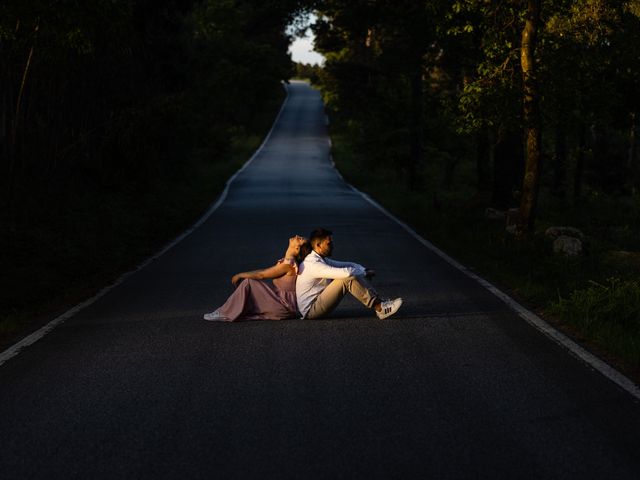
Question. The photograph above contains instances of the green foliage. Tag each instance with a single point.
(468, 113)
(81, 81)
(616, 302)
(633, 7)
(450, 214)
(120, 121)
(84, 241)
(308, 72)
(608, 314)
(467, 54)
(491, 94)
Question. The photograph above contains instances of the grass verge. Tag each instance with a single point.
(593, 298)
(65, 248)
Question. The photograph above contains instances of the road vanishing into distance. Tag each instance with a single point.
(455, 386)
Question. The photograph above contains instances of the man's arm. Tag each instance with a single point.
(339, 264)
(361, 270)
(325, 270)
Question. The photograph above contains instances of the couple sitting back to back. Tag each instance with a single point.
(306, 283)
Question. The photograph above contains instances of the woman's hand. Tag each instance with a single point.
(236, 279)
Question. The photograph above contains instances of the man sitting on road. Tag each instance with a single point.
(322, 282)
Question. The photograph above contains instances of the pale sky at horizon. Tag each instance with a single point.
(301, 48)
(301, 51)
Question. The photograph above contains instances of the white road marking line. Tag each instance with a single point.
(15, 349)
(591, 360)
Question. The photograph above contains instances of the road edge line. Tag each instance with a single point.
(32, 338)
(530, 317)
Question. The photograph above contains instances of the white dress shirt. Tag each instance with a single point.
(315, 273)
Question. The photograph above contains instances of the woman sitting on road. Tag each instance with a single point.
(254, 299)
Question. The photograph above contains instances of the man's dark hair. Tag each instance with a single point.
(319, 234)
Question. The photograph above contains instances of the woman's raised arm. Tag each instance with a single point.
(276, 271)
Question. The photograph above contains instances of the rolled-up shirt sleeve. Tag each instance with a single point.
(356, 266)
(332, 269)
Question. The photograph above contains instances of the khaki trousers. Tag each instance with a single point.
(331, 296)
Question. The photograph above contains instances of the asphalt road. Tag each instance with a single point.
(457, 385)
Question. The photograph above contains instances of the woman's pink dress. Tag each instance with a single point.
(258, 300)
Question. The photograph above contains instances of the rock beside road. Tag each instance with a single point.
(567, 241)
(555, 232)
(494, 214)
(568, 246)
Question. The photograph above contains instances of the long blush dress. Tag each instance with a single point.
(258, 300)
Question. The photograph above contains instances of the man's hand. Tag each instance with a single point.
(369, 273)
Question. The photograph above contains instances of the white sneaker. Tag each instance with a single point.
(214, 316)
(388, 308)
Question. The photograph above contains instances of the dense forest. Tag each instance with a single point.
(113, 115)
(114, 112)
(513, 84)
(92, 89)
(506, 132)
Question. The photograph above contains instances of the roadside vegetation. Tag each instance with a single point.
(483, 125)
(594, 297)
(120, 122)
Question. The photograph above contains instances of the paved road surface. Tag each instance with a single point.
(455, 386)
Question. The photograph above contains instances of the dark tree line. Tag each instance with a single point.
(110, 93)
(116, 116)
(521, 89)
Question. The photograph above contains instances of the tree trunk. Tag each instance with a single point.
(631, 155)
(25, 74)
(560, 161)
(5, 120)
(507, 166)
(416, 127)
(531, 117)
(482, 160)
(579, 172)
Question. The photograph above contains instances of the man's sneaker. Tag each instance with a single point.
(214, 316)
(388, 308)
